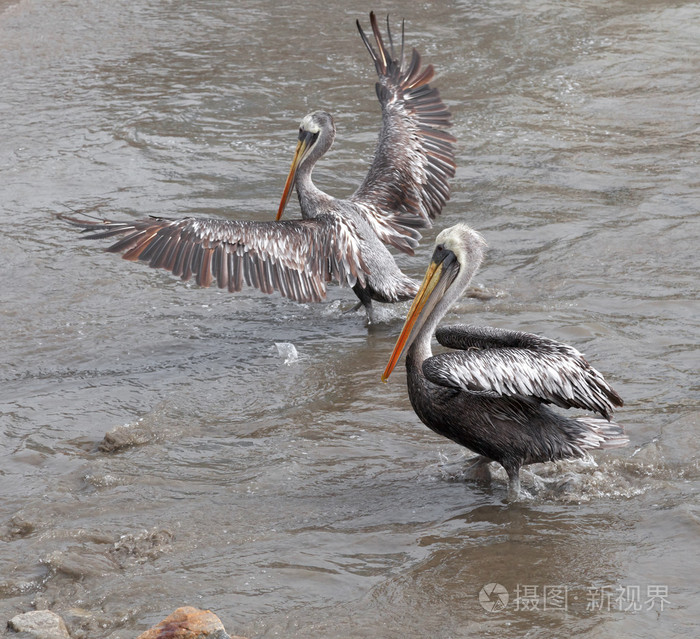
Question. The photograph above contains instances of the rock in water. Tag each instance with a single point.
(189, 623)
(40, 624)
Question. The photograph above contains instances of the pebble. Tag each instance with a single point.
(185, 623)
(189, 623)
(40, 624)
(127, 436)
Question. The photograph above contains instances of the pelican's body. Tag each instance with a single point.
(383, 280)
(341, 240)
(491, 393)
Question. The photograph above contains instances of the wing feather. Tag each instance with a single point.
(408, 182)
(516, 363)
(297, 258)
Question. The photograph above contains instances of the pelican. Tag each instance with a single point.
(342, 240)
(490, 394)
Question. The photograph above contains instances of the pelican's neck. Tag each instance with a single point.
(421, 347)
(312, 200)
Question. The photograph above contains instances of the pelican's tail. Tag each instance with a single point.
(600, 433)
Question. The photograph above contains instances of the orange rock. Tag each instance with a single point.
(189, 623)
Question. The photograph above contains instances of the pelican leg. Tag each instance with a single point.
(477, 469)
(353, 309)
(365, 300)
(368, 309)
(370, 312)
(513, 488)
(513, 472)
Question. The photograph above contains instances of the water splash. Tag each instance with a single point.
(288, 351)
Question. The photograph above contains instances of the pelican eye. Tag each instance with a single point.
(441, 254)
(305, 134)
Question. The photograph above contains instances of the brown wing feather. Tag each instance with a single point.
(407, 184)
(294, 257)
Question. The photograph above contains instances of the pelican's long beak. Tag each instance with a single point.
(437, 278)
(305, 141)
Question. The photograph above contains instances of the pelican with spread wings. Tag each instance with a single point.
(342, 240)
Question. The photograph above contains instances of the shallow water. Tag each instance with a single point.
(298, 496)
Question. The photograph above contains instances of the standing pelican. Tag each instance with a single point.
(342, 240)
(490, 394)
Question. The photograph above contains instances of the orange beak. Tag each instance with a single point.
(424, 300)
(299, 154)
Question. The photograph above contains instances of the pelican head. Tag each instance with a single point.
(458, 253)
(316, 134)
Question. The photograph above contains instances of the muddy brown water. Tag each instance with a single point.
(304, 498)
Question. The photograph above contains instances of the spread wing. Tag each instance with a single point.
(297, 258)
(407, 184)
(515, 363)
